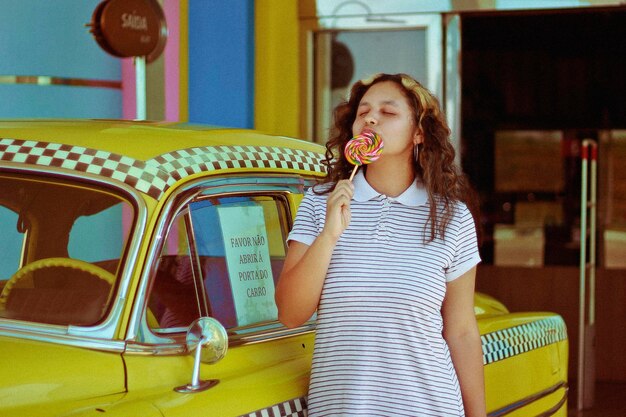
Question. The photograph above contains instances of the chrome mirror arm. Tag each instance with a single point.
(208, 334)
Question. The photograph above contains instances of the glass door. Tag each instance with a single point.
(352, 48)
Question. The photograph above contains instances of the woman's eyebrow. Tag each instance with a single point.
(385, 102)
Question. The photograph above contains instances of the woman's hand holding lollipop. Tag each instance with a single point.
(361, 149)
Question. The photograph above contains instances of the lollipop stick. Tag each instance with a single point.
(356, 167)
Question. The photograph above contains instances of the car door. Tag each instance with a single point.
(56, 352)
(46, 376)
(222, 252)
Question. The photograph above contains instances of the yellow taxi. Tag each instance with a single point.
(138, 262)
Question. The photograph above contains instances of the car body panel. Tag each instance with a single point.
(173, 180)
(42, 378)
(534, 347)
(263, 376)
(141, 140)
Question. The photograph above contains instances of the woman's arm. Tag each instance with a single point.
(300, 284)
(461, 333)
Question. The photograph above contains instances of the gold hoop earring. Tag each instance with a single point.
(416, 153)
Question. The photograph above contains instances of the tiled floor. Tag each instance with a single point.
(610, 401)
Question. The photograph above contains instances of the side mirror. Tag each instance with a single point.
(210, 341)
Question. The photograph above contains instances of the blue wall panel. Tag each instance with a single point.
(33, 101)
(49, 38)
(221, 62)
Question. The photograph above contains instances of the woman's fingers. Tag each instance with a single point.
(339, 197)
(338, 208)
(342, 194)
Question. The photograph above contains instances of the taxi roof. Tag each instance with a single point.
(141, 140)
(151, 156)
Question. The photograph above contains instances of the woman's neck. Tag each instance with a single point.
(390, 177)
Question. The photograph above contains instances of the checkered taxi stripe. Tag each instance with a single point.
(516, 340)
(156, 175)
(144, 177)
(186, 162)
(292, 408)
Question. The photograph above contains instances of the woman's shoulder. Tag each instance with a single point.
(320, 190)
(316, 194)
(459, 207)
(454, 204)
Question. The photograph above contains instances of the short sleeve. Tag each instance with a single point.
(306, 226)
(463, 232)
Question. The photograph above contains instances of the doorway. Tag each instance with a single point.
(534, 86)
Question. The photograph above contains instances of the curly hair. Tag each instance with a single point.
(435, 167)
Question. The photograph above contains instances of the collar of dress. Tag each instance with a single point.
(413, 196)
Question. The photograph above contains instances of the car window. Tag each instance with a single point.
(62, 251)
(10, 243)
(174, 298)
(233, 248)
(82, 244)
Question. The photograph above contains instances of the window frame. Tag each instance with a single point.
(279, 186)
(101, 335)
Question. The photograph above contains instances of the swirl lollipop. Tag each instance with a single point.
(363, 149)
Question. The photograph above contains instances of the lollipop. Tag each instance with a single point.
(363, 149)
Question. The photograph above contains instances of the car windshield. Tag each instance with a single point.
(61, 243)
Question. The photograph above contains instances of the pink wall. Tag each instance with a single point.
(172, 65)
(171, 9)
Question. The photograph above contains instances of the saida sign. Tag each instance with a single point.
(130, 28)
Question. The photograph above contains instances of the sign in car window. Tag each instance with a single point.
(248, 262)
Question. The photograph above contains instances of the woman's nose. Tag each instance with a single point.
(371, 120)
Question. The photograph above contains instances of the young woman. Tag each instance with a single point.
(388, 261)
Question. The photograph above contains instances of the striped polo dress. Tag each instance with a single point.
(379, 349)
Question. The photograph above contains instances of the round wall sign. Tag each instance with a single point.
(127, 28)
